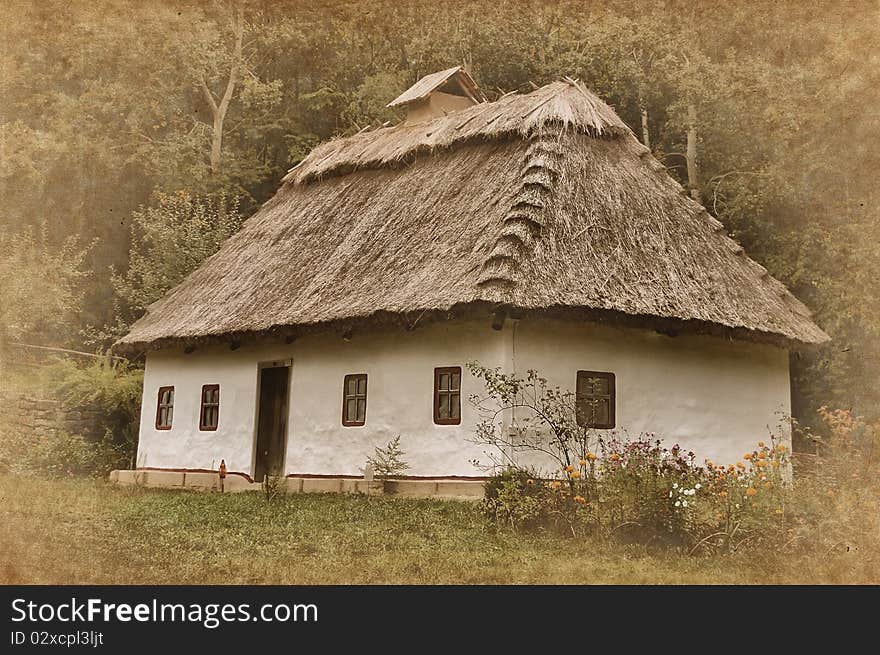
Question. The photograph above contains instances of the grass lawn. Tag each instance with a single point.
(81, 531)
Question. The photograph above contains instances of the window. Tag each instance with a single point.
(354, 400)
(595, 399)
(447, 395)
(209, 414)
(165, 408)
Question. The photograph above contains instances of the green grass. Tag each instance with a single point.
(81, 531)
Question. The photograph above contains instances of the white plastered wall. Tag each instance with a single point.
(713, 396)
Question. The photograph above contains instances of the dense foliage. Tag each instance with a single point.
(109, 109)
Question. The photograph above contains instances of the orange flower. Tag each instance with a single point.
(569, 468)
(583, 462)
(781, 448)
(580, 499)
(723, 494)
(760, 463)
(751, 491)
(762, 455)
(556, 484)
(530, 482)
(760, 444)
(614, 457)
(747, 456)
(775, 464)
(591, 457)
(575, 474)
(740, 465)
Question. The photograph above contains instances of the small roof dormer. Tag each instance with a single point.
(439, 94)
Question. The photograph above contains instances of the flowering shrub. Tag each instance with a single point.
(651, 494)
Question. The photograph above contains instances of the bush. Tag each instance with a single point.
(112, 386)
(69, 454)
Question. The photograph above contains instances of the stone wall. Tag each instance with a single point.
(32, 415)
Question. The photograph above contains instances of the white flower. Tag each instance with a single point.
(670, 494)
(697, 486)
(684, 503)
(678, 503)
(675, 485)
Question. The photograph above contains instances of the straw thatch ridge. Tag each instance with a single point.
(560, 103)
(546, 219)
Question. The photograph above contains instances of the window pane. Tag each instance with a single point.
(599, 386)
(215, 395)
(601, 412)
(361, 409)
(169, 416)
(454, 405)
(171, 396)
(443, 411)
(352, 386)
(351, 410)
(444, 382)
(362, 386)
(455, 383)
(215, 419)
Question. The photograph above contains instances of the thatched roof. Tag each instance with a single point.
(543, 203)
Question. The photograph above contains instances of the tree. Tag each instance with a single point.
(174, 235)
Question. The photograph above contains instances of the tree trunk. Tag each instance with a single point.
(691, 155)
(219, 111)
(646, 134)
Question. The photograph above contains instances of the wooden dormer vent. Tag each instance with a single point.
(439, 94)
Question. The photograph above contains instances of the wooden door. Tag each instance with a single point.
(272, 422)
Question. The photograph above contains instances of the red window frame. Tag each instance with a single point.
(449, 393)
(212, 407)
(357, 397)
(582, 399)
(168, 407)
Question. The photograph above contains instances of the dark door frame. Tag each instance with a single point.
(280, 363)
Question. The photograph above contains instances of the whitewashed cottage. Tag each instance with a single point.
(533, 232)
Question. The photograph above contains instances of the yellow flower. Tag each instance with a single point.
(556, 484)
(591, 457)
(760, 463)
(762, 455)
(569, 468)
(740, 465)
(747, 456)
(583, 462)
(575, 474)
(775, 464)
(580, 499)
(779, 511)
(530, 482)
(760, 444)
(614, 457)
(781, 448)
(751, 491)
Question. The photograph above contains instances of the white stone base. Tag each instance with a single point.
(207, 481)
